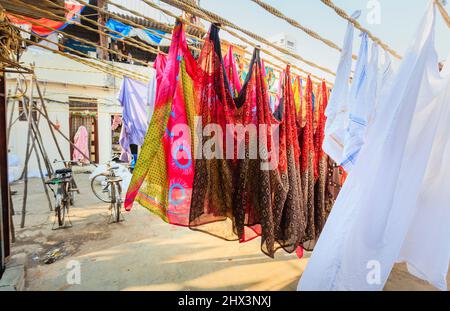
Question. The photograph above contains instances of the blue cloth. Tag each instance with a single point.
(117, 26)
(153, 37)
(127, 30)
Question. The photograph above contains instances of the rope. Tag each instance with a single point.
(83, 61)
(296, 24)
(169, 13)
(443, 12)
(151, 20)
(129, 41)
(195, 9)
(115, 71)
(82, 40)
(345, 16)
(128, 22)
(10, 40)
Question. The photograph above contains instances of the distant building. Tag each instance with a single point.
(285, 41)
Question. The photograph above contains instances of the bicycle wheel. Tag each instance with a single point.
(118, 202)
(60, 208)
(101, 188)
(70, 193)
(115, 212)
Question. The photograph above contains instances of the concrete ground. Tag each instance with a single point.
(144, 253)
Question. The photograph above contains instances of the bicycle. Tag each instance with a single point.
(107, 188)
(64, 196)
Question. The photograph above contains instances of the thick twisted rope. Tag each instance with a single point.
(93, 44)
(443, 12)
(192, 8)
(345, 16)
(83, 61)
(296, 24)
(115, 71)
(127, 40)
(203, 16)
(131, 23)
(10, 40)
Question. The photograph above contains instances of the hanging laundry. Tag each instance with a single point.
(73, 8)
(163, 177)
(150, 37)
(245, 192)
(337, 110)
(214, 183)
(306, 140)
(159, 65)
(298, 96)
(81, 141)
(134, 98)
(232, 73)
(394, 205)
(362, 100)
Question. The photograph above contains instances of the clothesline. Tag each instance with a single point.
(345, 16)
(443, 12)
(129, 22)
(278, 58)
(79, 39)
(151, 48)
(296, 24)
(203, 13)
(130, 41)
(109, 70)
(155, 6)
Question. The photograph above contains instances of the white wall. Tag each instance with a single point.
(60, 78)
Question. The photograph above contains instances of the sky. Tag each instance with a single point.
(397, 25)
(399, 20)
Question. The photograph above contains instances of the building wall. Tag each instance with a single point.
(60, 78)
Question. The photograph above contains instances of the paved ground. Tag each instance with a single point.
(143, 253)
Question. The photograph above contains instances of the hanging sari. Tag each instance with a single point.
(163, 177)
(298, 94)
(232, 72)
(307, 159)
(321, 173)
(240, 191)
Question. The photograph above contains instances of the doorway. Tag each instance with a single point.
(84, 112)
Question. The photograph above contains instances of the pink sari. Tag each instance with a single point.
(81, 141)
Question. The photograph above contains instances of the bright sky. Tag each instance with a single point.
(399, 20)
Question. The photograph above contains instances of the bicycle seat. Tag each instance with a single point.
(63, 171)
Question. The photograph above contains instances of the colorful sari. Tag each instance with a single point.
(240, 191)
(163, 177)
(232, 72)
(307, 159)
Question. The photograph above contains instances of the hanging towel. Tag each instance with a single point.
(394, 205)
(81, 141)
(362, 103)
(337, 110)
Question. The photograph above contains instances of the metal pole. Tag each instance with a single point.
(5, 217)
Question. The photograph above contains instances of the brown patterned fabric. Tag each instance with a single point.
(238, 192)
